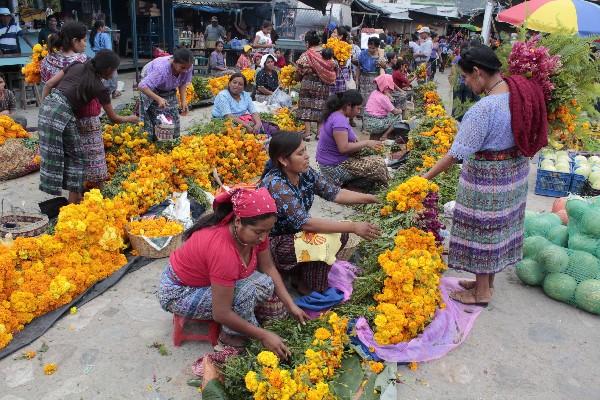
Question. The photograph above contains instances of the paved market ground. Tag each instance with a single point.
(524, 346)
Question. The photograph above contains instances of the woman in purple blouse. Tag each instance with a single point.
(341, 156)
(160, 80)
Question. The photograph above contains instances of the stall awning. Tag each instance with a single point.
(216, 6)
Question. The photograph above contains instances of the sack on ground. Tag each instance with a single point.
(18, 159)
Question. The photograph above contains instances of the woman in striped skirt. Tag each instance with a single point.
(487, 228)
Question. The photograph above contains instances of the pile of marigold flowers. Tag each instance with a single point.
(31, 71)
(287, 77)
(215, 85)
(431, 97)
(421, 72)
(411, 293)
(190, 95)
(249, 74)
(342, 51)
(435, 110)
(286, 121)
(155, 227)
(9, 129)
(308, 380)
(124, 144)
(409, 195)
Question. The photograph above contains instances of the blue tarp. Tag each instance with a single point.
(208, 9)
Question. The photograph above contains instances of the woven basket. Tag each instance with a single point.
(23, 224)
(144, 249)
(164, 132)
(348, 251)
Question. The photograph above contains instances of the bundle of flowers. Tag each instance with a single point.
(309, 379)
(409, 195)
(435, 110)
(201, 89)
(215, 85)
(9, 129)
(190, 95)
(124, 144)
(534, 61)
(249, 74)
(342, 51)
(411, 293)
(31, 71)
(155, 227)
(421, 72)
(287, 77)
(431, 97)
(286, 121)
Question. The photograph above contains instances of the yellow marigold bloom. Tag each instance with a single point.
(73, 310)
(251, 381)
(413, 366)
(267, 359)
(375, 366)
(322, 334)
(49, 369)
(29, 354)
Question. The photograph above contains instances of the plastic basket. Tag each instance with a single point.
(553, 183)
(577, 184)
(164, 132)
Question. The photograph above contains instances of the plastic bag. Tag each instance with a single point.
(280, 98)
(179, 210)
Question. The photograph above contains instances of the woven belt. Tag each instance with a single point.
(501, 155)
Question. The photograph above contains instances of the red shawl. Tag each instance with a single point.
(528, 114)
(325, 69)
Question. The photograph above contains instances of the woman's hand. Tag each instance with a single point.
(274, 343)
(366, 230)
(162, 103)
(374, 144)
(298, 314)
(132, 119)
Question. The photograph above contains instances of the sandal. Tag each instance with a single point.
(469, 285)
(116, 94)
(467, 297)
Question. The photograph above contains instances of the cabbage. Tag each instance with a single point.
(564, 168)
(581, 159)
(583, 170)
(579, 241)
(587, 296)
(549, 168)
(583, 265)
(594, 159)
(546, 163)
(594, 177)
(530, 272)
(558, 235)
(559, 286)
(590, 222)
(553, 258)
(576, 208)
(533, 245)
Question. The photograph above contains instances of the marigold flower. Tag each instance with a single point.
(49, 369)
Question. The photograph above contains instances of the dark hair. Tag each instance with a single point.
(327, 54)
(390, 54)
(481, 57)
(343, 33)
(414, 37)
(337, 101)
(312, 38)
(97, 68)
(237, 75)
(219, 213)
(64, 39)
(283, 144)
(183, 56)
(97, 25)
(2, 77)
(49, 17)
(266, 24)
(374, 41)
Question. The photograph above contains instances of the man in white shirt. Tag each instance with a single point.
(9, 31)
(423, 52)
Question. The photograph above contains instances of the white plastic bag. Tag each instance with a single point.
(280, 98)
(179, 210)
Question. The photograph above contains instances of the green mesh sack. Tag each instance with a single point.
(583, 265)
(560, 286)
(554, 258)
(540, 224)
(583, 242)
(558, 235)
(587, 296)
(530, 272)
(576, 208)
(533, 245)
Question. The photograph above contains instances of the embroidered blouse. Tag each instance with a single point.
(486, 126)
(294, 202)
(367, 62)
(269, 81)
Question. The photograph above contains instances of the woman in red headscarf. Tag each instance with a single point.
(380, 115)
(224, 270)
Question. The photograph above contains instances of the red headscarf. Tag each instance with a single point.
(528, 114)
(247, 203)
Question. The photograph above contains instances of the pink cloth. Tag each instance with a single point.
(247, 203)
(341, 276)
(379, 105)
(385, 82)
(448, 330)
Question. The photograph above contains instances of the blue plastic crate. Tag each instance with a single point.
(553, 183)
(577, 184)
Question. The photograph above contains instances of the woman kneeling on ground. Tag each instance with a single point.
(338, 151)
(236, 104)
(61, 150)
(224, 270)
(381, 117)
(293, 185)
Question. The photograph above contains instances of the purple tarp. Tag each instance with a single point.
(448, 329)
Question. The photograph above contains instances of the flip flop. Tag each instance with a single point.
(454, 297)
